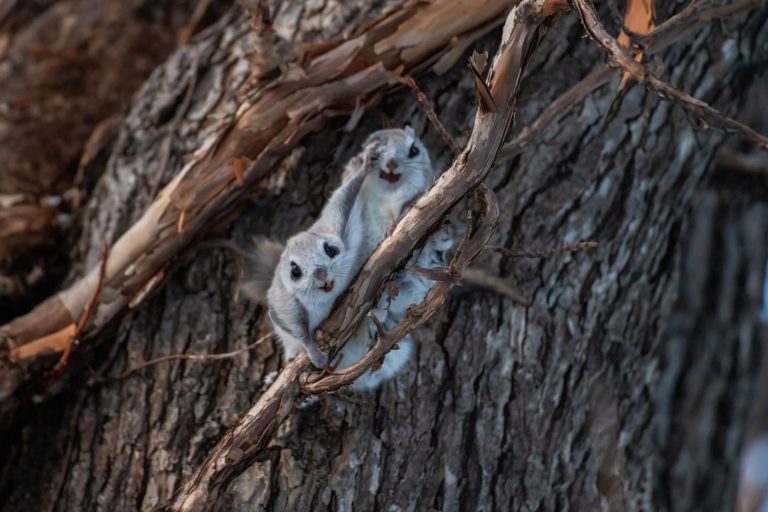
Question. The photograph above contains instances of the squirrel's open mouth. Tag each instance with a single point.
(327, 287)
(389, 176)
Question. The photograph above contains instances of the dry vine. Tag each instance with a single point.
(620, 56)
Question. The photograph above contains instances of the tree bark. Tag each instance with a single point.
(625, 385)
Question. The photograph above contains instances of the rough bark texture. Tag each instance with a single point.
(606, 392)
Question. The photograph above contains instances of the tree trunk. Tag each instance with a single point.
(625, 385)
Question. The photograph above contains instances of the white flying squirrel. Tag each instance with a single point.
(405, 171)
(301, 280)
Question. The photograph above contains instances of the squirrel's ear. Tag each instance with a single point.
(409, 129)
(260, 270)
(376, 136)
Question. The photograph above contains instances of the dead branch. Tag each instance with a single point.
(191, 357)
(328, 80)
(486, 281)
(239, 447)
(556, 110)
(662, 37)
(432, 115)
(621, 57)
(524, 253)
(749, 163)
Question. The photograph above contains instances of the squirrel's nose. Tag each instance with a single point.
(391, 165)
(321, 273)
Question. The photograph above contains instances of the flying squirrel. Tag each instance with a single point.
(301, 280)
(406, 171)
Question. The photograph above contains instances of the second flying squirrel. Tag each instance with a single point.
(307, 274)
(406, 171)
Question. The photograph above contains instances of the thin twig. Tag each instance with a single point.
(662, 37)
(62, 362)
(190, 357)
(486, 281)
(524, 253)
(556, 110)
(621, 57)
(432, 115)
(186, 32)
(380, 331)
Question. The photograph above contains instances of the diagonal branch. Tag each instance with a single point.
(242, 443)
(621, 57)
(417, 315)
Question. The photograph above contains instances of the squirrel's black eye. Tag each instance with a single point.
(295, 271)
(414, 151)
(330, 250)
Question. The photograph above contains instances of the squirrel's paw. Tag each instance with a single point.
(318, 358)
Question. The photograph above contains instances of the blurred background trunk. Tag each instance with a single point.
(626, 385)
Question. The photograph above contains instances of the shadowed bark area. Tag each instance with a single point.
(580, 401)
(68, 68)
(713, 349)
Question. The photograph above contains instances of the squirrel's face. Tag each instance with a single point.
(315, 266)
(403, 160)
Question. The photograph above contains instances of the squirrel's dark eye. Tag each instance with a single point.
(295, 271)
(414, 151)
(330, 250)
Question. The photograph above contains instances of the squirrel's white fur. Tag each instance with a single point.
(315, 266)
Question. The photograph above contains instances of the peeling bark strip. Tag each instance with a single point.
(524, 26)
(324, 82)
